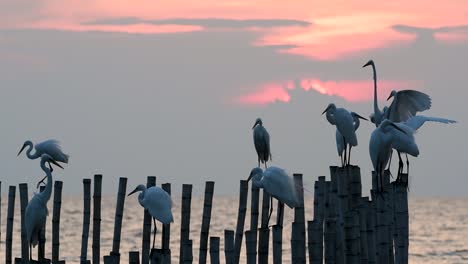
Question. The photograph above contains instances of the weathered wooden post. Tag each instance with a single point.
(254, 213)
(264, 231)
(188, 256)
(277, 244)
(86, 220)
(352, 237)
(214, 250)
(10, 221)
(401, 220)
(363, 211)
(205, 228)
(243, 192)
(298, 236)
(23, 188)
(134, 257)
(185, 219)
(371, 233)
(330, 239)
(42, 237)
(166, 232)
(251, 247)
(56, 221)
(315, 241)
(339, 192)
(97, 218)
(381, 224)
(229, 246)
(115, 253)
(147, 221)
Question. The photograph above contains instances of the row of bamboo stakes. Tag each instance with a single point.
(347, 228)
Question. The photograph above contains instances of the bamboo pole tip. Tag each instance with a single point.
(86, 181)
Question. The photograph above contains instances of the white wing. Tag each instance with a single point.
(339, 143)
(417, 121)
(407, 103)
(159, 204)
(345, 124)
(279, 185)
(52, 148)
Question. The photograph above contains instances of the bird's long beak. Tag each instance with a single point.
(134, 191)
(363, 118)
(395, 126)
(55, 163)
(367, 64)
(21, 150)
(256, 123)
(328, 107)
(390, 96)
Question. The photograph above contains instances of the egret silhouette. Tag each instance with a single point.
(261, 142)
(340, 144)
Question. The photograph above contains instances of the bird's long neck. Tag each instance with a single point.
(257, 181)
(28, 152)
(331, 117)
(357, 123)
(141, 196)
(45, 195)
(377, 114)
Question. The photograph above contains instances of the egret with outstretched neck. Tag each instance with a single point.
(36, 210)
(276, 182)
(261, 142)
(157, 202)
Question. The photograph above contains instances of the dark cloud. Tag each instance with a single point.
(205, 22)
(428, 33)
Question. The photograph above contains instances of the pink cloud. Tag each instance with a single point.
(352, 91)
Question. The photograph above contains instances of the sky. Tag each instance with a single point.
(172, 88)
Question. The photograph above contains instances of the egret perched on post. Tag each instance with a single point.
(276, 182)
(50, 147)
(36, 211)
(343, 120)
(158, 203)
(410, 126)
(261, 142)
(340, 144)
(380, 147)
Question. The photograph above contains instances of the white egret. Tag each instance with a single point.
(36, 210)
(158, 203)
(343, 120)
(380, 147)
(50, 147)
(340, 144)
(261, 142)
(410, 126)
(276, 182)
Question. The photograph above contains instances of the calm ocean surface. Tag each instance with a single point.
(438, 228)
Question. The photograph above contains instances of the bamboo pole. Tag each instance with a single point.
(188, 256)
(56, 221)
(371, 233)
(315, 241)
(243, 192)
(299, 219)
(340, 203)
(363, 211)
(10, 221)
(42, 237)
(96, 246)
(297, 251)
(330, 239)
(251, 247)
(228, 246)
(166, 232)
(23, 188)
(147, 221)
(134, 257)
(352, 237)
(264, 231)
(119, 209)
(401, 220)
(254, 212)
(214, 250)
(86, 220)
(205, 228)
(185, 221)
(382, 227)
(277, 244)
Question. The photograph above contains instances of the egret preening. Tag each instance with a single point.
(410, 126)
(276, 182)
(50, 147)
(344, 122)
(36, 211)
(158, 203)
(261, 142)
(340, 144)
(380, 147)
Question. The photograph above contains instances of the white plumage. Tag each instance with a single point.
(261, 142)
(340, 144)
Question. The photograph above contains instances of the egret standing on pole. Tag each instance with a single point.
(261, 142)
(50, 147)
(340, 144)
(277, 183)
(158, 203)
(343, 120)
(36, 211)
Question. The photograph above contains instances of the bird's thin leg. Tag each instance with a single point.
(41, 181)
(346, 147)
(266, 167)
(400, 164)
(154, 232)
(259, 162)
(342, 161)
(390, 160)
(30, 251)
(271, 210)
(407, 163)
(349, 155)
